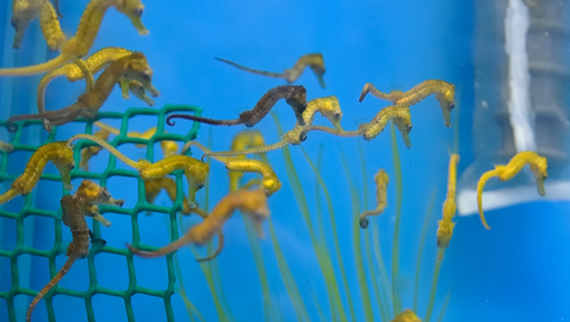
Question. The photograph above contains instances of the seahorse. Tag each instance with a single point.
(314, 61)
(250, 202)
(400, 115)
(195, 171)
(270, 182)
(446, 224)
(381, 178)
(295, 96)
(74, 209)
(444, 93)
(328, 106)
(538, 165)
(79, 45)
(59, 153)
(132, 67)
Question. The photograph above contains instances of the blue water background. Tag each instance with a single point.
(515, 272)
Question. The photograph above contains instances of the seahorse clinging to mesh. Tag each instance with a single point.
(74, 209)
(400, 115)
(314, 61)
(59, 153)
(444, 93)
(328, 106)
(295, 96)
(79, 45)
(131, 67)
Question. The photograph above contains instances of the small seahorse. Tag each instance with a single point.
(270, 182)
(58, 153)
(381, 178)
(244, 140)
(295, 96)
(444, 93)
(74, 209)
(250, 202)
(132, 67)
(24, 11)
(400, 115)
(538, 166)
(195, 171)
(328, 106)
(314, 61)
(446, 225)
(79, 45)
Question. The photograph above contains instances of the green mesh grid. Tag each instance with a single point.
(59, 246)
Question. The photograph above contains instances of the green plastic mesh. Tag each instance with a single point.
(141, 206)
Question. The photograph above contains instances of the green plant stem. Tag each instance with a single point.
(356, 242)
(427, 219)
(287, 276)
(335, 234)
(434, 284)
(396, 241)
(444, 308)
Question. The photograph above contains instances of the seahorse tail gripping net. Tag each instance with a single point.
(521, 79)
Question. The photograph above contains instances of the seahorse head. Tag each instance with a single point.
(446, 100)
(329, 108)
(134, 10)
(136, 68)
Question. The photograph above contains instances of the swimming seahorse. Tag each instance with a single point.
(24, 11)
(295, 96)
(314, 61)
(446, 225)
(270, 182)
(132, 67)
(381, 178)
(329, 107)
(444, 93)
(400, 115)
(250, 202)
(538, 166)
(73, 73)
(58, 153)
(79, 45)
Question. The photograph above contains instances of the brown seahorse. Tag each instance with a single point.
(131, 67)
(295, 96)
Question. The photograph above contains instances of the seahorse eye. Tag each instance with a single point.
(14, 23)
(138, 12)
(451, 106)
